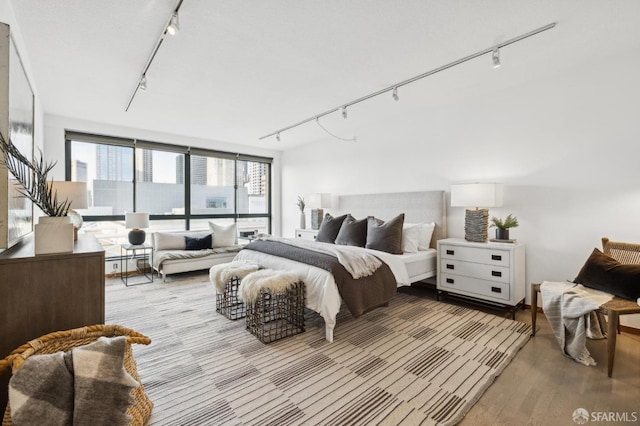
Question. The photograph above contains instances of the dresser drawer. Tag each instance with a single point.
(480, 254)
(475, 270)
(474, 286)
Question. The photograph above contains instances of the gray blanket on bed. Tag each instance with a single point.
(360, 295)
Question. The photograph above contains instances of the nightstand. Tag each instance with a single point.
(490, 272)
(307, 234)
(143, 256)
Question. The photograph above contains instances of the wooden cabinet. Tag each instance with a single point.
(46, 293)
(307, 234)
(492, 272)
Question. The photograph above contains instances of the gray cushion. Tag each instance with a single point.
(329, 228)
(385, 236)
(353, 232)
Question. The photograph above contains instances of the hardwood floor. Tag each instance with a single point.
(543, 387)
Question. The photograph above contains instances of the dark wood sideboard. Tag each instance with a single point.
(46, 293)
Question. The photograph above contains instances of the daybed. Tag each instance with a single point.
(185, 251)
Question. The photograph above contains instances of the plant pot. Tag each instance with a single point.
(502, 234)
(303, 223)
(53, 234)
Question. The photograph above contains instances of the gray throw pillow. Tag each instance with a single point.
(385, 236)
(353, 232)
(329, 228)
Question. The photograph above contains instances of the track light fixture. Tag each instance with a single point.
(496, 63)
(143, 83)
(174, 24)
(496, 57)
(171, 28)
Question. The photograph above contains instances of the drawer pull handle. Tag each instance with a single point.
(496, 289)
(451, 252)
(450, 281)
(496, 273)
(299, 235)
(450, 266)
(496, 257)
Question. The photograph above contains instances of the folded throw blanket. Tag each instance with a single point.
(356, 260)
(87, 385)
(569, 308)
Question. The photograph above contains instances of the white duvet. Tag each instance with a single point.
(322, 291)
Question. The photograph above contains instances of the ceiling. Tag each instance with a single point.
(241, 69)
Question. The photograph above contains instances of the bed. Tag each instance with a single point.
(322, 294)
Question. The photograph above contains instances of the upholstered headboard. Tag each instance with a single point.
(424, 206)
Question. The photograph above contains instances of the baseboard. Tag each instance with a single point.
(625, 328)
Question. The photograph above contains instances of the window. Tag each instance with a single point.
(180, 187)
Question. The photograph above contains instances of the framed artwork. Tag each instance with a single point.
(18, 221)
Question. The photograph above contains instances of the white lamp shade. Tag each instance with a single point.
(319, 201)
(136, 220)
(476, 195)
(75, 192)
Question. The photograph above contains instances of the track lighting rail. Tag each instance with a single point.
(395, 86)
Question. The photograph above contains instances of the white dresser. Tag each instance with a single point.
(307, 234)
(491, 272)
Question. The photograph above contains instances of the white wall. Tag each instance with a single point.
(566, 146)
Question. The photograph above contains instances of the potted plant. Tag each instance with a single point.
(33, 176)
(301, 205)
(502, 226)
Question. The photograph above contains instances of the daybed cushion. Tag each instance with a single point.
(224, 235)
(169, 241)
(604, 273)
(195, 243)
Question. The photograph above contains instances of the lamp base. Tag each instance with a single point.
(316, 218)
(137, 237)
(476, 223)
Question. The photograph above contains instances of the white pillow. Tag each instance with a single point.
(410, 237)
(224, 235)
(166, 241)
(426, 232)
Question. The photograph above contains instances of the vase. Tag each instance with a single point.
(53, 234)
(303, 222)
(502, 234)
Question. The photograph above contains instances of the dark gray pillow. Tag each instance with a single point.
(329, 228)
(353, 232)
(385, 236)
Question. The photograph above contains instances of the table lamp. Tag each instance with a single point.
(76, 194)
(318, 202)
(480, 196)
(135, 222)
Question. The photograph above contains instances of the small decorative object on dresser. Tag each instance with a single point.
(502, 227)
(301, 205)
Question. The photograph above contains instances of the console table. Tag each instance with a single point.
(46, 293)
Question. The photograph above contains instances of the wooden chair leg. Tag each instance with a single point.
(611, 340)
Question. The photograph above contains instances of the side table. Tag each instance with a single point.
(143, 256)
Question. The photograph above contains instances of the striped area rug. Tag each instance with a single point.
(415, 362)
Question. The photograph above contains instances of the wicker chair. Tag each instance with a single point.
(57, 341)
(627, 253)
